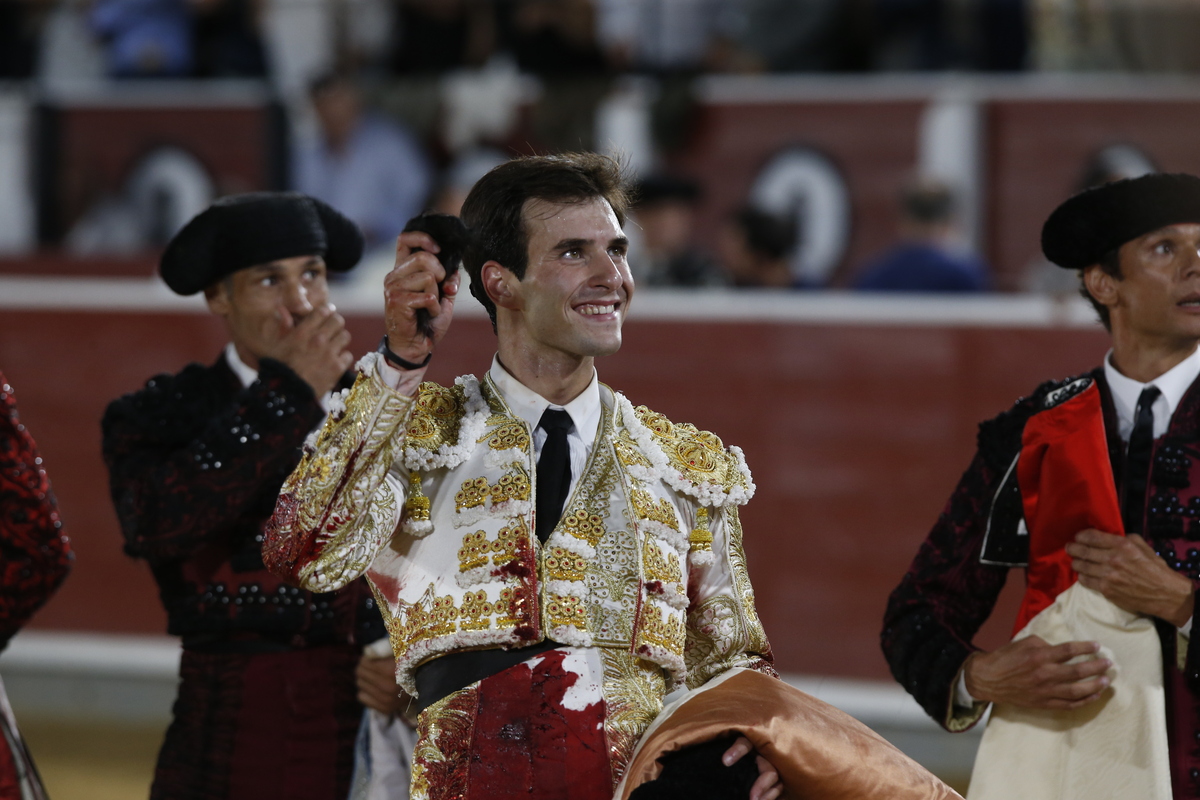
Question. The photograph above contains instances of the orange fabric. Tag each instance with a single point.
(821, 753)
(1067, 485)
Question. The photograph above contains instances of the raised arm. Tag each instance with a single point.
(342, 503)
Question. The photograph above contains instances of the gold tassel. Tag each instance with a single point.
(416, 507)
(701, 537)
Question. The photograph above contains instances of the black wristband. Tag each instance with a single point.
(397, 361)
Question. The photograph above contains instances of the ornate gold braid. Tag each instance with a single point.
(724, 631)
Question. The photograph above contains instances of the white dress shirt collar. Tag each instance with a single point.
(246, 374)
(529, 405)
(1173, 384)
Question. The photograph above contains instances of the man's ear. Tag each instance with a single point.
(1100, 285)
(217, 297)
(501, 285)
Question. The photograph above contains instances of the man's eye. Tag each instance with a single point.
(1163, 248)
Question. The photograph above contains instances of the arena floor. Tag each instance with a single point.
(82, 761)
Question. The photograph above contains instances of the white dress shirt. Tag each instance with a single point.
(528, 405)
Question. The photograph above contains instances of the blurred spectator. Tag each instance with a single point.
(34, 559)
(929, 257)
(755, 248)
(226, 39)
(665, 211)
(369, 168)
(670, 35)
(145, 38)
(434, 36)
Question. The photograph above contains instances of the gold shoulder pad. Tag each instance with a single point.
(699, 456)
(438, 412)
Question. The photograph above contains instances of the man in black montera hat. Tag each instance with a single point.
(267, 701)
(1093, 484)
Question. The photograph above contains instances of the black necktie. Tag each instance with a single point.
(1137, 461)
(553, 470)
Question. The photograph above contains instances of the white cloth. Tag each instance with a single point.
(1114, 747)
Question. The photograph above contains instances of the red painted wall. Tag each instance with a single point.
(855, 434)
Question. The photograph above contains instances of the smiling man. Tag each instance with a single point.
(1093, 483)
(551, 560)
(266, 704)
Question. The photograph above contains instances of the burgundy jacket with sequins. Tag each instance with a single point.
(34, 554)
(195, 462)
(952, 584)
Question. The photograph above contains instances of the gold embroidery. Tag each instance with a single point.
(475, 612)
(563, 565)
(647, 508)
(627, 452)
(510, 543)
(437, 414)
(660, 566)
(583, 525)
(701, 538)
(698, 455)
(416, 507)
(566, 610)
(509, 435)
(475, 491)
(471, 494)
(633, 697)
(441, 759)
(663, 630)
(474, 551)
(513, 486)
(511, 608)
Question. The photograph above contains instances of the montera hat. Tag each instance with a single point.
(1081, 230)
(242, 230)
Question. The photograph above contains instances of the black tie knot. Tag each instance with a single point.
(1146, 401)
(555, 419)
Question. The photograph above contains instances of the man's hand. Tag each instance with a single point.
(315, 347)
(412, 285)
(768, 786)
(1130, 574)
(1034, 674)
(375, 678)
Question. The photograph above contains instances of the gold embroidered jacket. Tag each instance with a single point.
(432, 497)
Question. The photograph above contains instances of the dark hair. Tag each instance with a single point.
(927, 202)
(766, 234)
(1110, 264)
(495, 208)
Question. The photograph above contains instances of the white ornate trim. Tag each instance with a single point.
(418, 529)
(698, 559)
(706, 494)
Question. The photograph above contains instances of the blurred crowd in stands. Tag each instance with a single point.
(409, 101)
